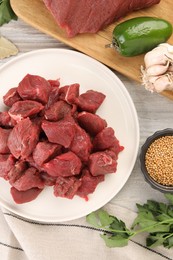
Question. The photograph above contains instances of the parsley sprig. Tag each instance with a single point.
(6, 12)
(154, 217)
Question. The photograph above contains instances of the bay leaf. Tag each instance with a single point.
(7, 48)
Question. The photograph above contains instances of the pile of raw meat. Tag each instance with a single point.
(52, 136)
(88, 16)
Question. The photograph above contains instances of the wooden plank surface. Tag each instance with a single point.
(35, 13)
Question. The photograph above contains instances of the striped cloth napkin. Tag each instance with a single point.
(22, 239)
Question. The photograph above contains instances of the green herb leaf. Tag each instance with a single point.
(170, 211)
(93, 219)
(6, 12)
(168, 241)
(100, 219)
(145, 218)
(105, 218)
(155, 240)
(169, 197)
(115, 241)
(153, 217)
(118, 224)
(156, 207)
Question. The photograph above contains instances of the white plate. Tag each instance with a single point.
(118, 109)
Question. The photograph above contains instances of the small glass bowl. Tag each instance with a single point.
(154, 184)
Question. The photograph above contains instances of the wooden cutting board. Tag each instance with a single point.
(35, 13)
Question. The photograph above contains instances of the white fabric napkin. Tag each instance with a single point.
(22, 239)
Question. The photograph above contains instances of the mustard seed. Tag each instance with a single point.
(159, 160)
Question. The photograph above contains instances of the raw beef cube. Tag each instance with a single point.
(112, 153)
(54, 83)
(47, 179)
(101, 163)
(44, 151)
(23, 109)
(105, 139)
(7, 162)
(24, 196)
(6, 120)
(4, 134)
(92, 123)
(66, 187)
(89, 183)
(90, 101)
(67, 164)
(38, 120)
(61, 132)
(69, 93)
(32, 163)
(17, 171)
(53, 97)
(35, 88)
(81, 144)
(11, 97)
(23, 138)
(30, 179)
(57, 111)
(116, 149)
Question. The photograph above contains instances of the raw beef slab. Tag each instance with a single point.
(88, 16)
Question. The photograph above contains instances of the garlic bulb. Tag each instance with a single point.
(157, 75)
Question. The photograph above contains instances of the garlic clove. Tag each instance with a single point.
(149, 86)
(170, 69)
(155, 57)
(157, 70)
(147, 81)
(168, 47)
(162, 83)
(152, 79)
(168, 51)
